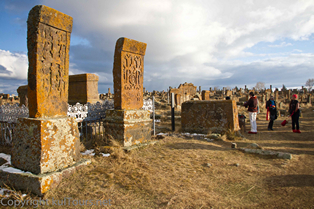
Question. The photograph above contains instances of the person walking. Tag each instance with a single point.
(252, 104)
(271, 107)
(295, 112)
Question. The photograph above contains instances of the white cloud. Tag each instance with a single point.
(15, 65)
(283, 44)
(189, 40)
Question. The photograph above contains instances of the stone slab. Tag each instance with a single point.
(201, 116)
(39, 184)
(45, 145)
(83, 88)
(128, 127)
(48, 43)
(128, 74)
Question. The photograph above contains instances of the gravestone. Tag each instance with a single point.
(276, 95)
(22, 92)
(128, 123)
(205, 95)
(177, 100)
(185, 91)
(83, 88)
(201, 116)
(47, 143)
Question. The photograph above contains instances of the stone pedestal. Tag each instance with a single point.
(83, 88)
(41, 183)
(129, 127)
(45, 145)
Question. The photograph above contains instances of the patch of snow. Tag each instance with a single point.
(88, 152)
(14, 170)
(163, 134)
(3, 190)
(5, 167)
(105, 155)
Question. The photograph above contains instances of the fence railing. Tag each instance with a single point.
(89, 117)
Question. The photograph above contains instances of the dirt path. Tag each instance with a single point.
(282, 138)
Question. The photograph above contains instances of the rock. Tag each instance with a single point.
(237, 164)
(284, 156)
(255, 146)
(233, 145)
(214, 136)
(208, 164)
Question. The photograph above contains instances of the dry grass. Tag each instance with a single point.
(174, 173)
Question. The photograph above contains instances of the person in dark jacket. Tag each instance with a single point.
(252, 104)
(271, 106)
(294, 110)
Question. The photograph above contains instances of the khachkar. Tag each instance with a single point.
(127, 123)
(47, 143)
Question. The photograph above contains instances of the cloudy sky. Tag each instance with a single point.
(211, 43)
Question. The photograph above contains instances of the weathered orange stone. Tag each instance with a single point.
(83, 88)
(183, 93)
(45, 145)
(205, 95)
(128, 73)
(128, 127)
(22, 92)
(201, 116)
(48, 43)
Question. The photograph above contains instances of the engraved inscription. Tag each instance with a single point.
(132, 76)
(132, 71)
(53, 59)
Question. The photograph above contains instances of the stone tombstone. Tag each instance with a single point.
(48, 43)
(288, 93)
(178, 100)
(128, 123)
(109, 92)
(276, 95)
(309, 98)
(200, 89)
(22, 92)
(6, 96)
(83, 88)
(201, 116)
(280, 105)
(263, 98)
(128, 73)
(205, 95)
(47, 143)
(229, 93)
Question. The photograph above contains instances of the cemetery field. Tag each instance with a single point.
(180, 172)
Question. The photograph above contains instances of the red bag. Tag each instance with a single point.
(285, 121)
